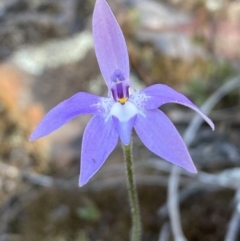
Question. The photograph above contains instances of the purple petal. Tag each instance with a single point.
(110, 46)
(79, 104)
(99, 140)
(156, 95)
(160, 136)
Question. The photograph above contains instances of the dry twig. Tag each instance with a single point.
(234, 225)
(188, 138)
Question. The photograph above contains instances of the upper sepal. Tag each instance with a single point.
(110, 46)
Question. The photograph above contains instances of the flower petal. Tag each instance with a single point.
(124, 129)
(99, 140)
(79, 104)
(124, 117)
(160, 136)
(156, 95)
(110, 46)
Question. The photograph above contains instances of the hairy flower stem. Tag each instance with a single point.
(132, 192)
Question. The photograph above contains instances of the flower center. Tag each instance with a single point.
(119, 87)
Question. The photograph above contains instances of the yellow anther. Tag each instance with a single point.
(123, 100)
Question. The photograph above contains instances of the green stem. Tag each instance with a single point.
(132, 192)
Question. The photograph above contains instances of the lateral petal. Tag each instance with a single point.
(156, 95)
(79, 104)
(99, 140)
(160, 136)
(110, 46)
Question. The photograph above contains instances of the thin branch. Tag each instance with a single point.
(209, 104)
(172, 202)
(187, 192)
(206, 182)
(189, 135)
(165, 232)
(234, 225)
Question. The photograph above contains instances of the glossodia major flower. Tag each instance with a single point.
(116, 116)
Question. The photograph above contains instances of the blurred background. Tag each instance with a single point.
(47, 55)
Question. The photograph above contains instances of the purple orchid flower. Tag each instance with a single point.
(118, 114)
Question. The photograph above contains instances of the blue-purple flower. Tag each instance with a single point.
(116, 116)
